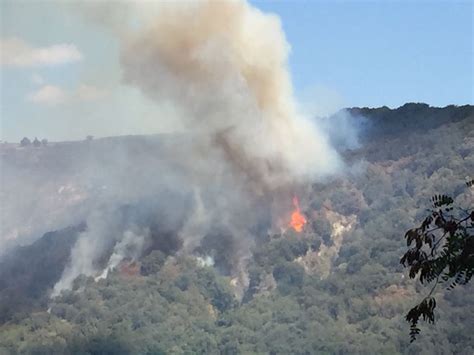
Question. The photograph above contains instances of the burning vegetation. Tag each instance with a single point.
(298, 220)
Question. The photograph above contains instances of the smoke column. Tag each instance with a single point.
(223, 66)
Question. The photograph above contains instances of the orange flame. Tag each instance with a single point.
(298, 220)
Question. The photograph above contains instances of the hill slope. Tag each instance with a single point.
(336, 288)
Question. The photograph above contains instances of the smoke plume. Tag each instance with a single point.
(223, 66)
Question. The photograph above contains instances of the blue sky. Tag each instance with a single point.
(381, 52)
(347, 53)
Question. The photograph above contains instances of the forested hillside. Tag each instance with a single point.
(336, 288)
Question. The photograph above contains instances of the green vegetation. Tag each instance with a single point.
(338, 288)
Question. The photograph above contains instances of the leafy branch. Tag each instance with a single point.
(442, 252)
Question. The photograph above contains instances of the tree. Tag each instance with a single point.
(152, 263)
(443, 252)
(36, 143)
(25, 142)
(289, 276)
(44, 142)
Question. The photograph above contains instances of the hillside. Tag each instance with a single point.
(337, 287)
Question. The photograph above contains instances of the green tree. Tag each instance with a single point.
(152, 263)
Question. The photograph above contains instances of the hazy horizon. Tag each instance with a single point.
(67, 84)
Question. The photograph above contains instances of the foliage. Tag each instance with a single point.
(152, 263)
(25, 142)
(176, 306)
(36, 142)
(443, 251)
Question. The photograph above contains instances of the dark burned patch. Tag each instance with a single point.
(29, 272)
(166, 241)
(160, 216)
(220, 245)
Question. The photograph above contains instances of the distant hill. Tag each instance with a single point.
(411, 117)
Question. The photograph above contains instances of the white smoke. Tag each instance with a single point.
(223, 66)
(130, 247)
(205, 261)
(87, 249)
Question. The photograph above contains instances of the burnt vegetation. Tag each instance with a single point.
(336, 288)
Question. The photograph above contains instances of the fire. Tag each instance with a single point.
(298, 220)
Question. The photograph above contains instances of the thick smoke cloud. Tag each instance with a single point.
(223, 66)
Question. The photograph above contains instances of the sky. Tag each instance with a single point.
(61, 75)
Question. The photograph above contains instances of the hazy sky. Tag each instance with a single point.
(61, 76)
